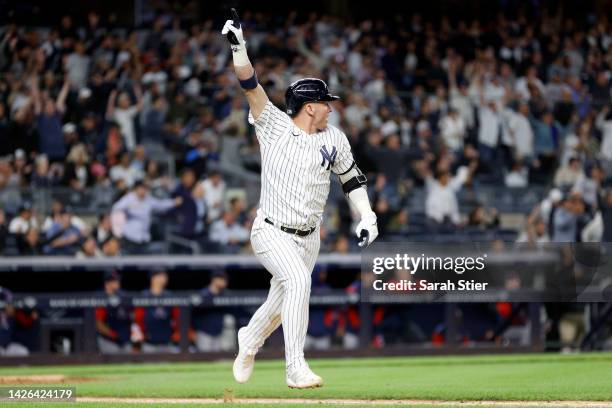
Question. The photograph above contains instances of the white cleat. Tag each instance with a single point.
(303, 378)
(243, 364)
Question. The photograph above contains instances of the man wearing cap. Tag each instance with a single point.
(113, 323)
(8, 347)
(299, 151)
(208, 322)
(158, 323)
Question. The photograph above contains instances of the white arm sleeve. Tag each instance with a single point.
(359, 198)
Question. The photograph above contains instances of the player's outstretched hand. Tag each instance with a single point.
(367, 230)
(233, 30)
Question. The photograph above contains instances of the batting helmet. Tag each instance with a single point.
(306, 90)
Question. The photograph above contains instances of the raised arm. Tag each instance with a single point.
(61, 97)
(36, 95)
(110, 106)
(255, 94)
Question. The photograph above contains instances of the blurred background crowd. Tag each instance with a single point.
(122, 137)
(120, 140)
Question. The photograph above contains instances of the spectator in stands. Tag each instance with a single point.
(535, 231)
(589, 188)
(208, 322)
(3, 231)
(441, 206)
(521, 133)
(518, 177)
(569, 174)
(547, 137)
(77, 174)
(124, 114)
(228, 233)
(159, 324)
(77, 66)
(604, 125)
(480, 218)
(453, 131)
(49, 121)
(214, 195)
(45, 174)
(89, 249)
(152, 137)
(111, 247)
(125, 172)
(569, 219)
(62, 237)
(134, 211)
(25, 228)
(113, 323)
(489, 133)
(103, 229)
(8, 347)
(187, 212)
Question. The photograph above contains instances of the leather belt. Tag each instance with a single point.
(293, 231)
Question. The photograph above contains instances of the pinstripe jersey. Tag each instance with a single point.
(296, 168)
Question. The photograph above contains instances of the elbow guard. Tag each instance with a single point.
(352, 179)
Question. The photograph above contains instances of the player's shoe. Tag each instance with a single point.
(244, 362)
(303, 377)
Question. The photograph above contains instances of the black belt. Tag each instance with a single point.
(293, 231)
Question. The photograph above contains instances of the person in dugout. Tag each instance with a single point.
(113, 323)
(323, 319)
(208, 322)
(8, 346)
(349, 324)
(158, 324)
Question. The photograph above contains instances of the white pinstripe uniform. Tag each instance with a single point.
(295, 181)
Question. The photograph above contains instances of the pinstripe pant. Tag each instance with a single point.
(290, 259)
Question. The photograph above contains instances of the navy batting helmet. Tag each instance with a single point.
(306, 90)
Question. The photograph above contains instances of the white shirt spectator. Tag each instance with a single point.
(522, 134)
(517, 178)
(214, 193)
(452, 127)
(441, 199)
(138, 212)
(129, 174)
(604, 124)
(125, 119)
(462, 104)
(228, 231)
(522, 89)
(75, 221)
(20, 225)
(488, 132)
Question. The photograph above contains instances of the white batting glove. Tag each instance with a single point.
(367, 230)
(237, 41)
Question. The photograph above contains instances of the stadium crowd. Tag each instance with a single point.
(130, 140)
(442, 106)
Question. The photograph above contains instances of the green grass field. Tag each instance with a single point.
(537, 377)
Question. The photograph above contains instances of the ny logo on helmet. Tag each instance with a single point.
(329, 157)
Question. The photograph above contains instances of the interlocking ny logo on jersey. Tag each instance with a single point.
(329, 157)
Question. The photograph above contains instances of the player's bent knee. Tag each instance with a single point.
(299, 284)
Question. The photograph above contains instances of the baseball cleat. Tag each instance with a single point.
(244, 362)
(303, 378)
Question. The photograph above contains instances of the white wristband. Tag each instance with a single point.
(359, 198)
(239, 55)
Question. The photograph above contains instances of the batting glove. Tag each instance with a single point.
(367, 230)
(234, 35)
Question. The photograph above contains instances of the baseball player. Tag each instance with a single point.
(299, 150)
